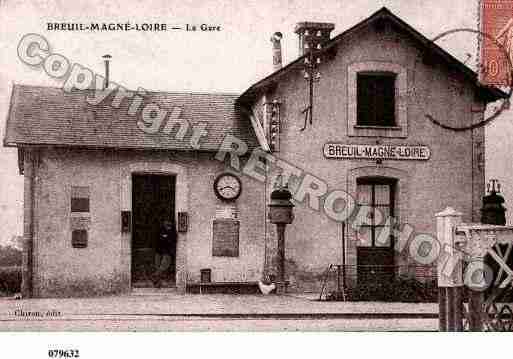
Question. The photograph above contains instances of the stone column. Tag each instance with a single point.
(450, 272)
(281, 286)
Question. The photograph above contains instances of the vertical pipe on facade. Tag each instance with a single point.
(28, 225)
(472, 174)
(344, 254)
(264, 269)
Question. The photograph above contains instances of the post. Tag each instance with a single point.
(280, 285)
(476, 279)
(450, 272)
(280, 213)
(338, 279)
(475, 308)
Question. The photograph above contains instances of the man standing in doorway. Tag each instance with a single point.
(164, 249)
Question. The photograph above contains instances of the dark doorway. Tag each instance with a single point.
(153, 201)
(375, 255)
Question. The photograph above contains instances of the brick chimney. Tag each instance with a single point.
(311, 34)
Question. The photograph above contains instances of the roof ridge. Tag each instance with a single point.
(222, 93)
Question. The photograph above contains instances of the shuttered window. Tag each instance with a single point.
(376, 99)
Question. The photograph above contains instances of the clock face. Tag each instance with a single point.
(227, 186)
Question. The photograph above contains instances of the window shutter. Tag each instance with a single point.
(364, 97)
(386, 98)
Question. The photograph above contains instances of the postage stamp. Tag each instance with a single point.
(497, 42)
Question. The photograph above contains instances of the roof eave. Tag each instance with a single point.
(20, 144)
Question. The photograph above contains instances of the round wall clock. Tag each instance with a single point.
(227, 187)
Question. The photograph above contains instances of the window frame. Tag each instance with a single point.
(400, 130)
(79, 238)
(376, 181)
(80, 201)
(374, 98)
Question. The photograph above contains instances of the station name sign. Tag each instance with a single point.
(375, 152)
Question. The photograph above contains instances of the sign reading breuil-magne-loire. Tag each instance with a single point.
(374, 152)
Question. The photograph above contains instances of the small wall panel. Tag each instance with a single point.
(225, 241)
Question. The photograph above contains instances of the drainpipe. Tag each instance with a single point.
(344, 280)
(28, 225)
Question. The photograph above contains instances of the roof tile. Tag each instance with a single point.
(51, 116)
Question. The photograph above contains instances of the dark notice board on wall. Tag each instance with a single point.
(225, 242)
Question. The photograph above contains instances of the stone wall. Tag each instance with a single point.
(104, 266)
(453, 176)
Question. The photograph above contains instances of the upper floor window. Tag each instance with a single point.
(376, 102)
(376, 99)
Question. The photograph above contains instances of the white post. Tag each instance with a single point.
(449, 272)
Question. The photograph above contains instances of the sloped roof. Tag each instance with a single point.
(51, 116)
(490, 94)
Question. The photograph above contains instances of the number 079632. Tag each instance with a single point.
(63, 353)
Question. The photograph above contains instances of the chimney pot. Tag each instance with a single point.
(276, 40)
(106, 58)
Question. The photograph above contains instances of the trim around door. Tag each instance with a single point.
(181, 205)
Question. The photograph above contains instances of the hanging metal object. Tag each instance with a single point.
(311, 74)
(274, 129)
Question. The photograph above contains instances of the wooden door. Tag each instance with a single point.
(375, 254)
(153, 201)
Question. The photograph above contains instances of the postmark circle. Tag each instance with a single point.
(504, 104)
